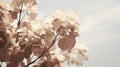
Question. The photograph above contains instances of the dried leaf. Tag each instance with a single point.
(48, 37)
(37, 50)
(17, 56)
(1, 15)
(50, 63)
(62, 31)
(74, 34)
(72, 28)
(30, 1)
(36, 66)
(12, 65)
(44, 64)
(13, 14)
(56, 62)
(26, 24)
(1, 8)
(16, 3)
(3, 39)
(57, 23)
(36, 41)
(22, 64)
(28, 60)
(4, 55)
(28, 51)
(66, 43)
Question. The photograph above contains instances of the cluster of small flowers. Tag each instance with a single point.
(22, 35)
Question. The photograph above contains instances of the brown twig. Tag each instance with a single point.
(19, 21)
(43, 52)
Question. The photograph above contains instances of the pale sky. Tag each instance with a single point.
(99, 26)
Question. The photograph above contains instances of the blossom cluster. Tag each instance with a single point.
(23, 35)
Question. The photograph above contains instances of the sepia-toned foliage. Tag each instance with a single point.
(24, 36)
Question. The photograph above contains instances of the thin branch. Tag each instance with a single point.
(19, 21)
(43, 52)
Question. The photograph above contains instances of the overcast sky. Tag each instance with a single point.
(99, 26)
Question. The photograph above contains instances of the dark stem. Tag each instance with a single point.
(19, 21)
(43, 52)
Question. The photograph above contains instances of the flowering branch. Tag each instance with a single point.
(37, 38)
(43, 52)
